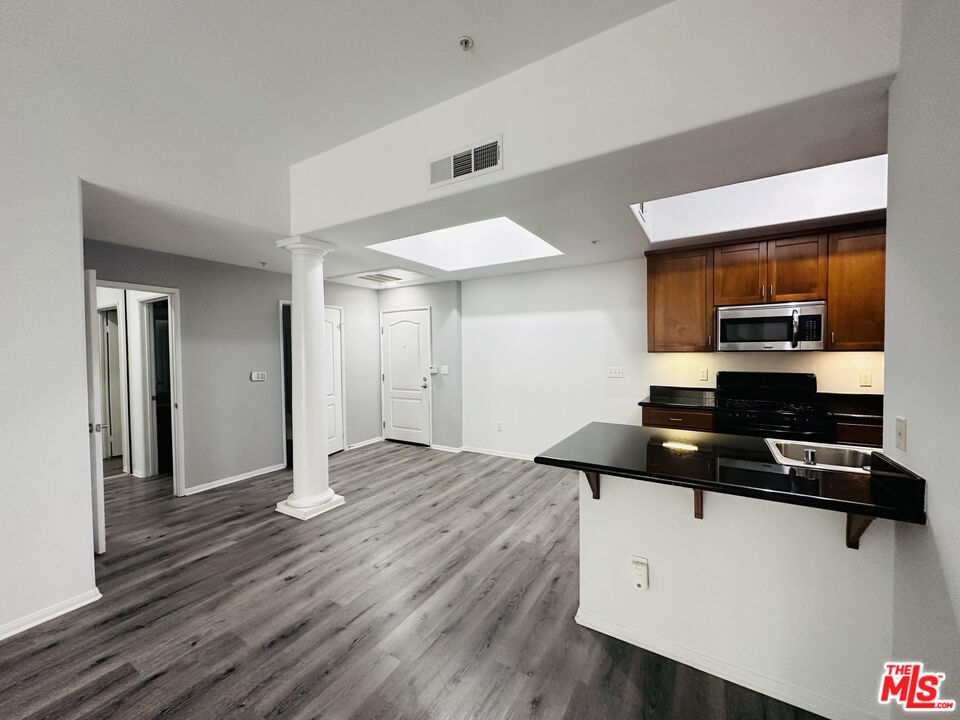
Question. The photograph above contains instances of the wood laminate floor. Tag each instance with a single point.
(445, 588)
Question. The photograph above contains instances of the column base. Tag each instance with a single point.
(310, 512)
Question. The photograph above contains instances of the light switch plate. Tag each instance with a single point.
(614, 372)
(258, 376)
(444, 369)
(902, 433)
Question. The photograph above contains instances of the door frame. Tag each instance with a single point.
(343, 377)
(176, 372)
(383, 377)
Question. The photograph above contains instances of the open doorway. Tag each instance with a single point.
(134, 388)
(333, 395)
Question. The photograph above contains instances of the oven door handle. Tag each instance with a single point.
(795, 340)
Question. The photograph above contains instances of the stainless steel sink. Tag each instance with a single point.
(821, 456)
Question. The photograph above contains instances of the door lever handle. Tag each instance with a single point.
(424, 386)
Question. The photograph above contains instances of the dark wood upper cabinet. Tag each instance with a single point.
(680, 301)
(782, 270)
(740, 274)
(855, 290)
(797, 269)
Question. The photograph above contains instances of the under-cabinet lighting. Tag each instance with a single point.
(676, 445)
(829, 191)
(478, 244)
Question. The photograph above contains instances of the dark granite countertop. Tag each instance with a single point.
(737, 465)
(679, 397)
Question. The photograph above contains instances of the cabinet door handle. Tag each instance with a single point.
(771, 291)
(833, 340)
(676, 419)
(763, 291)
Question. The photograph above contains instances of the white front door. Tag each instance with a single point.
(333, 327)
(94, 409)
(405, 359)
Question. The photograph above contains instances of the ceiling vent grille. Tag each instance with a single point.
(379, 278)
(477, 159)
(384, 277)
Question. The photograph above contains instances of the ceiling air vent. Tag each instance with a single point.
(482, 157)
(379, 279)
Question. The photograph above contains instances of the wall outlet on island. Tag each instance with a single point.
(704, 375)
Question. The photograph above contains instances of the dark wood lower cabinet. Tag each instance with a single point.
(682, 419)
(851, 433)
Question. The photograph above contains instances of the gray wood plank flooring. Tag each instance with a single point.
(445, 588)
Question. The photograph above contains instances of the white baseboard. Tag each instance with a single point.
(800, 697)
(232, 479)
(364, 443)
(498, 453)
(48, 613)
(446, 448)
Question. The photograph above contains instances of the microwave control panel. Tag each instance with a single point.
(811, 328)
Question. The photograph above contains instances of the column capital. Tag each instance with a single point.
(305, 245)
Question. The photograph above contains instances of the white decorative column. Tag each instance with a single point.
(311, 495)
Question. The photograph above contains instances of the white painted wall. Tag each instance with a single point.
(536, 348)
(685, 65)
(923, 267)
(443, 299)
(56, 129)
(764, 594)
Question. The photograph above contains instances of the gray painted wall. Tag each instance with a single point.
(923, 332)
(229, 326)
(443, 299)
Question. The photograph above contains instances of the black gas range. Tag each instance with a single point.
(772, 405)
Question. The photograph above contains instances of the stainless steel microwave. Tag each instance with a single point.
(774, 326)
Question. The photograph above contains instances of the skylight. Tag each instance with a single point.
(478, 244)
(828, 191)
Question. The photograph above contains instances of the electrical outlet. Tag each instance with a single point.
(614, 372)
(641, 572)
(866, 379)
(704, 375)
(500, 426)
(902, 433)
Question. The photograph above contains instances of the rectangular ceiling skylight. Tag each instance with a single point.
(828, 191)
(478, 244)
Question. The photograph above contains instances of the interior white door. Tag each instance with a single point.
(95, 409)
(405, 359)
(333, 327)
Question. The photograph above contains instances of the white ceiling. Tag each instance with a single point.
(297, 77)
(569, 207)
